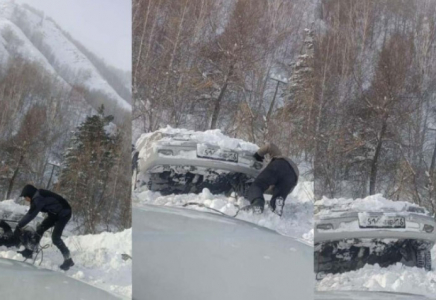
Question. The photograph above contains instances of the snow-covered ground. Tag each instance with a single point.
(98, 258)
(395, 278)
(296, 221)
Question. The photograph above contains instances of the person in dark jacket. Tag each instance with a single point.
(59, 213)
(281, 172)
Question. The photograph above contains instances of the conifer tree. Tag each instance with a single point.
(86, 173)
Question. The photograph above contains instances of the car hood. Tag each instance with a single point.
(185, 254)
(366, 295)
(21, 281)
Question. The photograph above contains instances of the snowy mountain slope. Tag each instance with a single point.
(37, 32)
(23, 45)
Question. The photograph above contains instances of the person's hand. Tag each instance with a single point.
(258, 157)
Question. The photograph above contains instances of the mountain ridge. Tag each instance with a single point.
(29, 34)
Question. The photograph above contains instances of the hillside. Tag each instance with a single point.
(33, 36)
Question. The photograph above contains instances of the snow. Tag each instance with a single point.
(372, 203)
(13, 207)
(24, 47)
(63, 51)
(296, 221)
(395, 278)
(211, 137)
(98, 258)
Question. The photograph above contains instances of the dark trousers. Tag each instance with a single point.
(59, 222)
(278, 173)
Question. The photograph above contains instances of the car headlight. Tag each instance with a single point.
(428, 228)
(165, 151)
(326, 226)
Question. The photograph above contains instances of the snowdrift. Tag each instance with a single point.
(372, 203)
(212, 137)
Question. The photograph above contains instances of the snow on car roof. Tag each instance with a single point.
(368, 204)
(212, 137)
(10, 205)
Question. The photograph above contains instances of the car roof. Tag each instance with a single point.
(185, 254)
(366, 295)
(19, 280)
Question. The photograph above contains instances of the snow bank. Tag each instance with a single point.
(212, 137)
(395, 278)
(368, 204)
(10, 205)
(297, 219)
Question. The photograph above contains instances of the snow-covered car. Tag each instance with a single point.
(350, 234)
(20, 280)
(182, 161)
(185, 254)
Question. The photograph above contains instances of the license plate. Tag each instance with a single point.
(204, 151)
(381, 221)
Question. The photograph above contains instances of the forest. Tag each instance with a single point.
(42, 142)
(374, 93)
(347, 87)
(206, 64)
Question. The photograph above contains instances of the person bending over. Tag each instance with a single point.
(59, 213)
(281, 172)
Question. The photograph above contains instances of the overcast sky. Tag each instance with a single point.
(103, 26)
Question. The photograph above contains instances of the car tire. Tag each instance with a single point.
(423, 259)
(427, 265)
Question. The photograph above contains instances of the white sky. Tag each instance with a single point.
(103, 26)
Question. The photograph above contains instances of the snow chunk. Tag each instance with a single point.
(212, 137)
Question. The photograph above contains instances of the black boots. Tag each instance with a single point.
(256, 206)
(68, 263)
(277, 206)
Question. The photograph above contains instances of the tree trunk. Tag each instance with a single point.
(374, 164)
(216, 109)
(14, 176)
